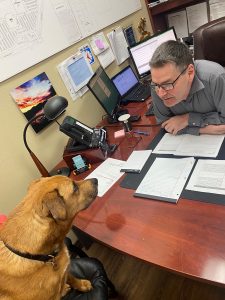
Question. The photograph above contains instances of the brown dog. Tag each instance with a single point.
(33, 257)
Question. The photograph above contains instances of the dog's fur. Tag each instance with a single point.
(38, 225)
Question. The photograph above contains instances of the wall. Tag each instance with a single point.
(16, 167)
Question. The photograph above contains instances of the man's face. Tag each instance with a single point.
(181, 87)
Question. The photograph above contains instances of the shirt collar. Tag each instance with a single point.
(196, 86)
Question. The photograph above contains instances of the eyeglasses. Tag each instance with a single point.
(166, 86)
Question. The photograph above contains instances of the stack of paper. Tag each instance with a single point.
(208, 177)
(136, 161)
(165, 179)
(190, 145)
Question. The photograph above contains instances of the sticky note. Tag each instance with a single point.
(99, 43)
(119, 133)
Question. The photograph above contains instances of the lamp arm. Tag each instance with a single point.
(37, 162)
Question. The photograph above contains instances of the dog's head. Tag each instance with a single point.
(59, 197)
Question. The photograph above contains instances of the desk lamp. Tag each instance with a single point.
(53, 108)
(132, 139)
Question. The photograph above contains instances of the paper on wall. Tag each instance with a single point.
(106, 58)
(99, 43)
(197, 16)
(178, 20)
(119, 45)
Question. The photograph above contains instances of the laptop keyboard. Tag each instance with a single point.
(141, 93)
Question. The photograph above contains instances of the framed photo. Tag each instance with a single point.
(31, 97)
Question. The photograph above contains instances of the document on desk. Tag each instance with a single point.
(136, 161)
(208, 177)
(107, 174)
(203, 145)
(165, 179)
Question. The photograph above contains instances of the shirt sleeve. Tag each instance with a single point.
(217, 87)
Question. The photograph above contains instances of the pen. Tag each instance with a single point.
(141, 132)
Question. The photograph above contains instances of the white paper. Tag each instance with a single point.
(99, 43)
(67, 20)
(106, 58)
(217, 9)
(119, 45)
(66, 80)
(208, 177)
(178, 20)
(107, 174)
(166, 178)
(203, 145)
(168, 144)
(196, 15)
(136, 161)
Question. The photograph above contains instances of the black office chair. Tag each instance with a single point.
(86, 267)
(209, 41)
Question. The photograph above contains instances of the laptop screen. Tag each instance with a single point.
(125, 80)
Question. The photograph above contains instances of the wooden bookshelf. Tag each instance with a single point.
(158, 13)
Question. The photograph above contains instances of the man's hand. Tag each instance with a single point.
(176, 123)
(213, 129)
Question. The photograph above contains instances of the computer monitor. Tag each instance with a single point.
(106, 93)
(141, 53)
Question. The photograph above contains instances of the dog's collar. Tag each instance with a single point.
(48, 258)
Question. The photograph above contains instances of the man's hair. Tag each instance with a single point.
(173, 52)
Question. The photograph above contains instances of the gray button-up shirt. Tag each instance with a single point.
(205, 102)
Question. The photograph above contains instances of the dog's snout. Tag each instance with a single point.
(94, 181)
(75, 187)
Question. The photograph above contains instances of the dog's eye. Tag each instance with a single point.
(75, 187)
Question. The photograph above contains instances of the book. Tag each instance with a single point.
(136, 161)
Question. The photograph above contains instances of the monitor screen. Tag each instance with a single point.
(142, 52)
(104, 91)
(125, 80)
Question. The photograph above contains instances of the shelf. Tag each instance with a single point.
(171, 5)
(158, 13)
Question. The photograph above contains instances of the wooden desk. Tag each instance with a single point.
(187, 238)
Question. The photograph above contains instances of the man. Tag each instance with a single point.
(188, 97)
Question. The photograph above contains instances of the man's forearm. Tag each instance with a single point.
(213, 129)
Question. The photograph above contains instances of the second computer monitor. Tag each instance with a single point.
(105, 92)
(142, 52)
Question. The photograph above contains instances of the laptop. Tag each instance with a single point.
(129, 87)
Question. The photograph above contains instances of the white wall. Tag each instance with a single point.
(16, 167)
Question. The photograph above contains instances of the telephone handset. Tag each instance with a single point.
(77, 130)
(81, 133)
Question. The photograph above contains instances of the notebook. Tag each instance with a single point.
(136, 161)
(129, 87)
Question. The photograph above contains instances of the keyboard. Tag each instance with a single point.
(141, 93)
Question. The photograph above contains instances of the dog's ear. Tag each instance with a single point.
(54, 205)
(33, 182)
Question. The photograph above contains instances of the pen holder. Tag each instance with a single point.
(129, 134)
